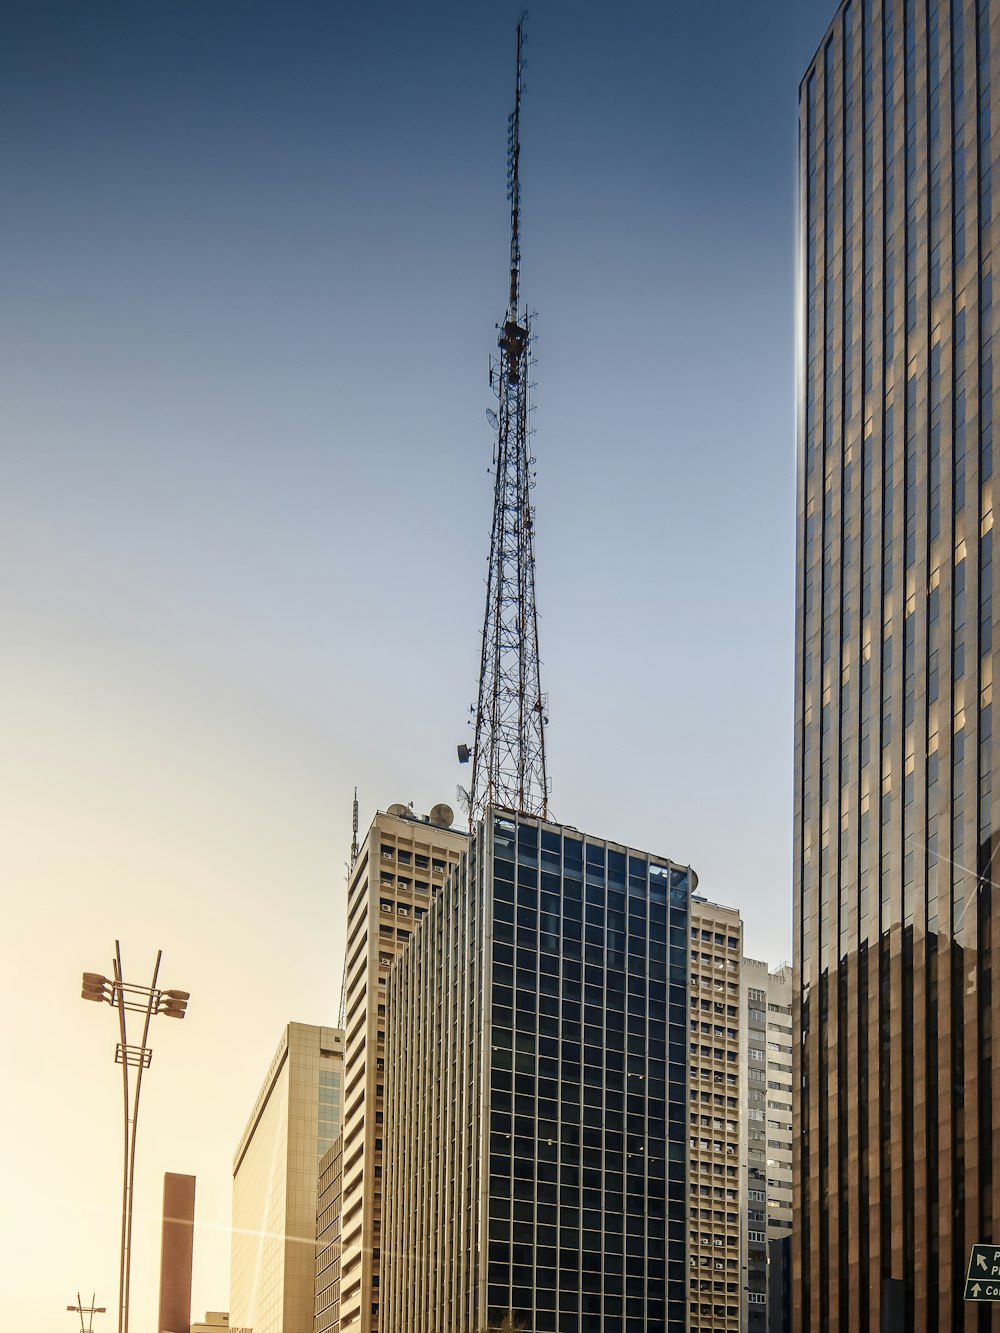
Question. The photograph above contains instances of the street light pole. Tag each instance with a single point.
(90, 1310)
(147, 1001)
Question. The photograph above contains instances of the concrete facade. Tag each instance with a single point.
(717, 1136)
(176, 1254)
(400, 869)
(329, 1207)
(767, 1218)
(294, 1121)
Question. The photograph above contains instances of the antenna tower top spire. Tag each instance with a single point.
(513, 176)
(508, 756)
(354, 827)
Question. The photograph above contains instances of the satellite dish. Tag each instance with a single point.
(398, 810)
(443, 814)
(491, 417)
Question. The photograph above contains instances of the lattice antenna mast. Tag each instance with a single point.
(354, 830)
(508, 757)
(342, 1011)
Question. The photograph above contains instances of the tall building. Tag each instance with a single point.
(896, 1148)
(767, 1217)
(329, 1203)
(294, 1121)
(715, 1232)
(176, 1254)
(537, 1091)
(402, 864)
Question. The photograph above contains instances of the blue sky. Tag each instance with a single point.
(254, 255)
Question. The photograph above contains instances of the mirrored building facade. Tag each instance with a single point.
(895, 1131)
(537, 1091)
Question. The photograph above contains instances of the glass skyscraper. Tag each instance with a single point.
(895, 1128)
(537, 1091)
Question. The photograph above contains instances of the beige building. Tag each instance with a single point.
(217, 1322)
(294, 1121)
(401, 866)
(767, 1006)
(717, 1045)
(329, 1200)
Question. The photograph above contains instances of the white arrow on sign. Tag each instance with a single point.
(975, 1289)
(981, 1262)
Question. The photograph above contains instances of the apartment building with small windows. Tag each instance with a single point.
(767, 1008)
(329, 1200)
(295, 1119)
(401, 866)
(715, 1185)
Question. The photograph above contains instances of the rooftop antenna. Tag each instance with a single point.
(342, 1013)
(354, 828)
(508, 754)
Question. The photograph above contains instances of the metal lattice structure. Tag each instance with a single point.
(508, 756)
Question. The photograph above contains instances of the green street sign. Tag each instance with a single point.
(983, 1281)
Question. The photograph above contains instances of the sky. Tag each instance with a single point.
(253, 258)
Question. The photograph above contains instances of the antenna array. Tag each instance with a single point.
(508, 756)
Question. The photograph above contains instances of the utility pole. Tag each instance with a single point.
(508, 754)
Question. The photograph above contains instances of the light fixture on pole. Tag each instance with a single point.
(147, 1001)
(89, 1310)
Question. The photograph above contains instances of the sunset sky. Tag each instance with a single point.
(253, 258)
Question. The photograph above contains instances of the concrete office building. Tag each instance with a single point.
(294, 1121)
(715, 1231)
(897, 1120)
(402, 865)
(766, 1005)
(329, 1204)
(537, 1091)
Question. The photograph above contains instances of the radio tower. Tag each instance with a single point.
(508, 755)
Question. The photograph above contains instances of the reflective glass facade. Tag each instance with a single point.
(537, 1092)
(895, 1131)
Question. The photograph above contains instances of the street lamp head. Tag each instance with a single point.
(95, 987)
(173, 1003)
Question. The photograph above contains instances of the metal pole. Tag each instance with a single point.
(145, 1000)
(81, 1309)
(130, 1151)
(119, 999)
